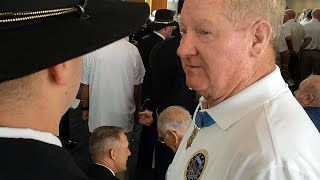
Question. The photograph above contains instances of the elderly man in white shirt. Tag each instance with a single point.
(249, 125)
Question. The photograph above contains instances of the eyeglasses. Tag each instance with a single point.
(161, 139)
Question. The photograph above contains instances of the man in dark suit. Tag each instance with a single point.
(109, 149)
(40, 73)
(162, 26)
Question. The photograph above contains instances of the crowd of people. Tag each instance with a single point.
(228, 90)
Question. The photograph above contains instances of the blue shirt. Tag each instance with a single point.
(314, 114)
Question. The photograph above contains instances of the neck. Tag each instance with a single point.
(40, 118)
(162, 32)
(108, 163)
(260, 71)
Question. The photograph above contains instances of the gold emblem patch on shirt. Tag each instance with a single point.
(196, 165)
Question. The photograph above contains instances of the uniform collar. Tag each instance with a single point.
(105, 167)
(26, 133)
(157, 33)
(233, 109)
(291, 20)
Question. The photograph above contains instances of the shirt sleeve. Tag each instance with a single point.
(281, 43)
(139, 70)
(85, 69)
(283, 173)
(306, 32)
(286, 30)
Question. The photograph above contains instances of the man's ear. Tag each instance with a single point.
(112, 154)
(174, 138)
(308, 99)
(261, 32)
(57, 74)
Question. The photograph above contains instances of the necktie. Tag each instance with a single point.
(203, 119)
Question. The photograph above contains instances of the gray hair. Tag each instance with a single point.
(238, 11)
(103, 139)
(311, 86)
(174, 118)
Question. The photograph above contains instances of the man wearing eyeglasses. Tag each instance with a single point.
(172, 124)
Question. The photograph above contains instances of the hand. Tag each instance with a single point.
(85, 115)
(145, 118)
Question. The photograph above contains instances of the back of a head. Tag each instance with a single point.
(102, 139)
(244, 11)
(174, 118)
(290, 13)
(311, 86)
(316, 13)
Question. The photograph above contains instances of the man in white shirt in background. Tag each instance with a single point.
(307, 18)
(297, 39)
(112, 77)
(310, 59)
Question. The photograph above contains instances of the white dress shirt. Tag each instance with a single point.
(313, 28)
(261, 133)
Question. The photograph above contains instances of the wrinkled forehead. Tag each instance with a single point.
(201, 10)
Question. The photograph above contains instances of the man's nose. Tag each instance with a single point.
(187, 47)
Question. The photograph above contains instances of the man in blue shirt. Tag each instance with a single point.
(308, 96)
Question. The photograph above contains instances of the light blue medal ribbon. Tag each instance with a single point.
(203, 119)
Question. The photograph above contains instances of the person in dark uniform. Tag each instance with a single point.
(162, 26)
(109, 149)
(42, 43)
(136, 37)
(168, 88)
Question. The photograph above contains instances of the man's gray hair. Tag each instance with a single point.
(103, 139)
(239, 11)
(174, 118)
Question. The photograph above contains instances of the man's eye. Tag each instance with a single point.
(182, 31)
(203, 32)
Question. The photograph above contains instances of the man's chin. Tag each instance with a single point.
(194, 85)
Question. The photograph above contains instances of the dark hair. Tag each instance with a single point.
(309, 14)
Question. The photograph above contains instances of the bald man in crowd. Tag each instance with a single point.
(308, 95)
(172, 124)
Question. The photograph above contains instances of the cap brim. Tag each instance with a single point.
(156, 26)
(31, 48)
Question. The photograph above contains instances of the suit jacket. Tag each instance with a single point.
(145, 49)
(98, 172)
(36, 160)
(168, 78)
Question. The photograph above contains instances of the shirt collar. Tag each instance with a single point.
(105, 167)
(233, 109)
(314, 20)
(290, 21)
(25, 133)
(159, 35)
